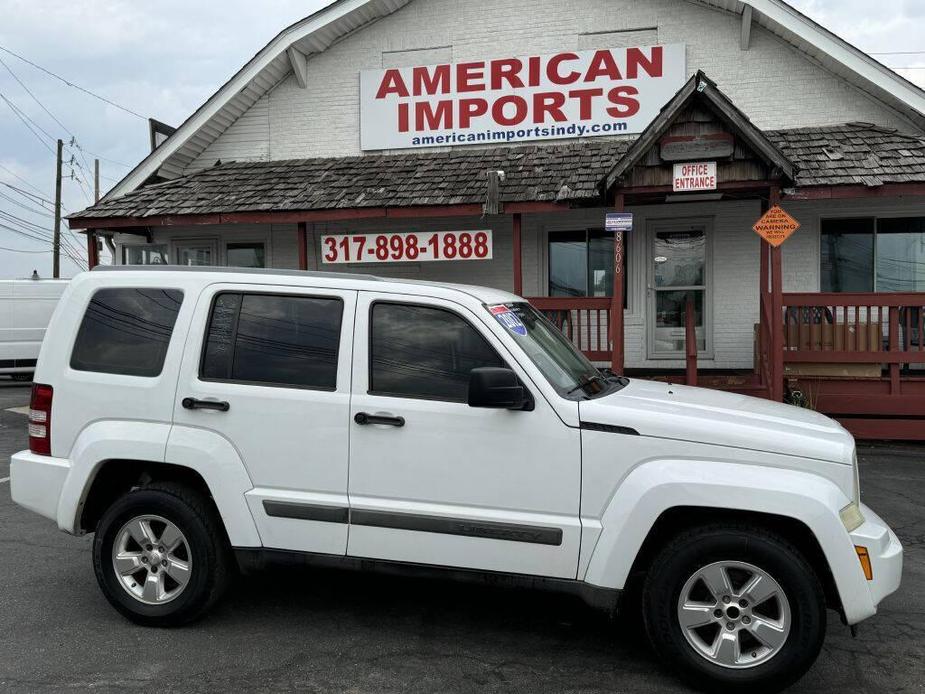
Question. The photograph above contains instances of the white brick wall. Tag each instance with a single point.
(775, 85)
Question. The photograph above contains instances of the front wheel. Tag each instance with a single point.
(160, 555)
(735, 608)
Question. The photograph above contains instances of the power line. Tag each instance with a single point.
(26, 122)
(21, 179)
(71, 84)
(22, 250)
(34, 97)
(65, 249)
(26, 192)
(34, 210)
(36, 228)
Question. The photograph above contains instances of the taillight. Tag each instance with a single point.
(40, 420)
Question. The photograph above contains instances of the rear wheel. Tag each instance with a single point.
(160, 555)
(734, 607)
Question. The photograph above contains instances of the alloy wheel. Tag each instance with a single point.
(734, 614)
(152, 559)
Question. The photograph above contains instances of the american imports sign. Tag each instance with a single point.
(542, 97)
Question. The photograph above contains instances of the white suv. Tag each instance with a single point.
(204, 420)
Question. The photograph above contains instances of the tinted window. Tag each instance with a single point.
(278, 340)
(847, 255)
(423, 352)
(126, 331)
(581, 263)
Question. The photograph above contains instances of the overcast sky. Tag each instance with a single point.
(164, 59)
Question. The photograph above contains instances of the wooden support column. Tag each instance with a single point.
(303, 245)
(93, 254)
(895, 386)
(690, 343)
(616, 303)
(777, 314)
(518, 255)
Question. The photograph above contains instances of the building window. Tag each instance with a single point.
(149, 254)
(245, 255)
(278, 340)
(424, 352)
(126, 331)
(196, 253)
(873, 255)
(581, 263)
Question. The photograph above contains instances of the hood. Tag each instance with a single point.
(723, 419)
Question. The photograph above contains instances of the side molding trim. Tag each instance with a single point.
(489, 530)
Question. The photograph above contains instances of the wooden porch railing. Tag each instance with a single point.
(856, 328)
(584, 320)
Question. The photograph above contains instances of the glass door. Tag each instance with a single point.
(196, 253)
(678, 274)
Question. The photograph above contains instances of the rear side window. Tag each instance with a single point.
(273, 340)
(424, 352)
(126, 331)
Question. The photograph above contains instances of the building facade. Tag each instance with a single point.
(362, 122)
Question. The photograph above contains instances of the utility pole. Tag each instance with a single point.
(56, 244)
(93, 243)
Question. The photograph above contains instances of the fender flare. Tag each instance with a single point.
(658, 486)
(208, 454)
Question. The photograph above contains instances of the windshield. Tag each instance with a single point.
(566, 368)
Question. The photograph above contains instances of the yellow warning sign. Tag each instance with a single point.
(775, 226)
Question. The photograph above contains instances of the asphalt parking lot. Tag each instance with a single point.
(322, 631)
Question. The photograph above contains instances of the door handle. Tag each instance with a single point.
(195, 404)
(366, 418)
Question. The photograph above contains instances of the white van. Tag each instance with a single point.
(202, 420)
(25, 309)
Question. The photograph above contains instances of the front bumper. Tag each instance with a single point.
(886, 557)
(36, 482)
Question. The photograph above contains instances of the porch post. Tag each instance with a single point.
(616, 302)
(93, 255)
(777, 314)
(518, 256)
(303, 246)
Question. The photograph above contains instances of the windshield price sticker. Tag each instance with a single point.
(406, 247)
(508, 319)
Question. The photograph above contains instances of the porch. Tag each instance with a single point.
(857, 357)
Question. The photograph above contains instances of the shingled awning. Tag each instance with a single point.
(570, 173)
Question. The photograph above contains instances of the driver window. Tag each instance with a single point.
(424, 352)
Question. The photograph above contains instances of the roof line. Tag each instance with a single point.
(785, 15)
(310, 24)
(699, 86)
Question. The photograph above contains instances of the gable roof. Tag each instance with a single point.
(322, 29)
(700, 88)
(850, 154)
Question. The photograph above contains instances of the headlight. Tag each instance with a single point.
(851, 515)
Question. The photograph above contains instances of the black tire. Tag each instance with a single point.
(690, 551)
(196, 518)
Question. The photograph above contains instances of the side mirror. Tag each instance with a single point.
(491, 386)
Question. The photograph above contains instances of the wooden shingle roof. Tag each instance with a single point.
(848, 154)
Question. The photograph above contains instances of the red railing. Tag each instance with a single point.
(855, 328)
(858, 331)
(584, 320)
(690, 343)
